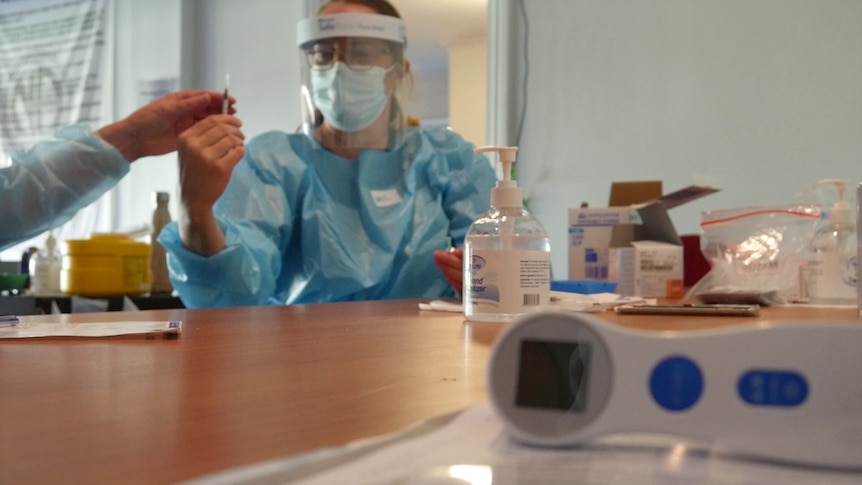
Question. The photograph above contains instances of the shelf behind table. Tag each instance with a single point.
(37, 305)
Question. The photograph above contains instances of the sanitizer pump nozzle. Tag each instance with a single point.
(840, 213)
(506, 193)
(507, 255)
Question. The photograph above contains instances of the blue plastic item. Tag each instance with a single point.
(585, 287)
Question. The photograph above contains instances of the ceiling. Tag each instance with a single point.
(433, 25)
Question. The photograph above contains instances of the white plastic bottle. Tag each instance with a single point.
(832, 263)
(507, 255)
(45, 269)
(161, 282)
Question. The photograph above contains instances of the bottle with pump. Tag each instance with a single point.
(161, 282)
(832, 274)
(45, 269)
(507, 255)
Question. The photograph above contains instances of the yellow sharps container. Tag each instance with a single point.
(105, 265)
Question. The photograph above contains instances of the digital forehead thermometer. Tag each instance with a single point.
(781, 391)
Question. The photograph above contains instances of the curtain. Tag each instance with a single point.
(55, 56)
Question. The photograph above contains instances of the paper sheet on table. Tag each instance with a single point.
(474, 443)
(560, 300)
(90, 330)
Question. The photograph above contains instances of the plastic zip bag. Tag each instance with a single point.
(756, 251)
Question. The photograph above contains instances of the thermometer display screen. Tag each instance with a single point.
(553, 375)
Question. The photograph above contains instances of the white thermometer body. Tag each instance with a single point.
(788, 391)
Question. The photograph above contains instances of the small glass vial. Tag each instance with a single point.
(161, 282)
(45, 269)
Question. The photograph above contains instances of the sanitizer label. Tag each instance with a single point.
(832, 276)
(509, 281)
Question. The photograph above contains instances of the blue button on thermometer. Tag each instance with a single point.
(786, 391)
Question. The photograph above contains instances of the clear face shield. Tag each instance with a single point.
(353, 69)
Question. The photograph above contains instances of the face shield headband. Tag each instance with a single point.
(345, 87)
(368, 25)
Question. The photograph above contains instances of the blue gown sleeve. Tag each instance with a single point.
(48, 184)
(255, 217)
(467, 183)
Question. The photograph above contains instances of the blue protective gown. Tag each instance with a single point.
(48, 184)
(303, 225)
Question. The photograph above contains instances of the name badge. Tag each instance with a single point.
(385, 198)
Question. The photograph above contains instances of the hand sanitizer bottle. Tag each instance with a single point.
(832, 263)
(507, 255)
(45, 269)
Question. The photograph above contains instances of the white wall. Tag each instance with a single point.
(255, 42)
(147, 47)
(428, 98)
(468, 83)
(764, 95)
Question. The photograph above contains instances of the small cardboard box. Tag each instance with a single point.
(591, 230)
(650, 269)
(646, 259)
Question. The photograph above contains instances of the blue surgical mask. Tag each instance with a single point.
(349, 99)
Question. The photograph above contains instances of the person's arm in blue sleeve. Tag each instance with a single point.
(251, 217)
(49, 183)
(209, 261)
(467, 197)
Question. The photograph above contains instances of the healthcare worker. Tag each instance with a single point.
(351, 208)
(46, 185)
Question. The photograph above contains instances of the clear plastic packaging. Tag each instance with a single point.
(756, 251)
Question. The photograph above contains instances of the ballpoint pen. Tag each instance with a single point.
(8, 320)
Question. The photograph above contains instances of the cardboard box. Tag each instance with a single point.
(593, 232)
(625, 194)
(590, 232)
(646, 259)
(650, 269)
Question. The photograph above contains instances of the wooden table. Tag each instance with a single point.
(243, 385)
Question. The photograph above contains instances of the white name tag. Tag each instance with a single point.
(385, 198)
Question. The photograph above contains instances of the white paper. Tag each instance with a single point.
(474, 444)
(89, 330)
(560, 300)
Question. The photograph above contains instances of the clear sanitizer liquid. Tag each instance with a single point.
(507, 257)
(507, 262)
